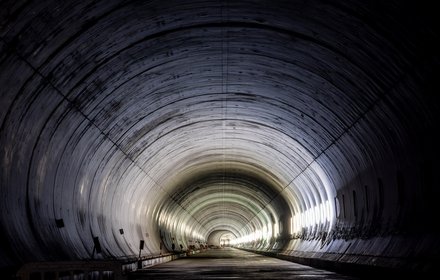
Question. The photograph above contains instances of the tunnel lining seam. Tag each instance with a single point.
(390, 90)
(346, 130)
(106, 136)
(374, 104)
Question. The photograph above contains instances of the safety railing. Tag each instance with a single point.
(71, 270)
(93, 269)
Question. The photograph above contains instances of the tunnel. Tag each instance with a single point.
(301, 129)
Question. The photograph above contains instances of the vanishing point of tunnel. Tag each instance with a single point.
(136, 132)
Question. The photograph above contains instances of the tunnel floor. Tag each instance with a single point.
(230, 263)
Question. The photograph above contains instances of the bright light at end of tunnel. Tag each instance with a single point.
(259, 235)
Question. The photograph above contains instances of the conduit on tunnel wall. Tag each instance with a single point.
(299, 128)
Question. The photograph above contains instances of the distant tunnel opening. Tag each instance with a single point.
(249, 203)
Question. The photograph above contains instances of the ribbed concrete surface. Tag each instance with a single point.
(304, 128)
(229, 263)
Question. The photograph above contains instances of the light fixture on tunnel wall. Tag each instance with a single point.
(59, 223)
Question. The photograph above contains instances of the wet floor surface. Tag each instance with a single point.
(229, 263)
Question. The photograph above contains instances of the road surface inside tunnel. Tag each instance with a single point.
(231, 263)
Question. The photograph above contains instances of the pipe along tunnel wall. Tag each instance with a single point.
(303, 128)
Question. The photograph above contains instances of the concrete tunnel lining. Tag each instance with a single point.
(114, 112)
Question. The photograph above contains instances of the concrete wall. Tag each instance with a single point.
(302, 128)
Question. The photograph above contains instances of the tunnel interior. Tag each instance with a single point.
(304, 128)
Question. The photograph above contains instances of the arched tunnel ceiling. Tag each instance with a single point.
(184, 118)
(226, 199)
